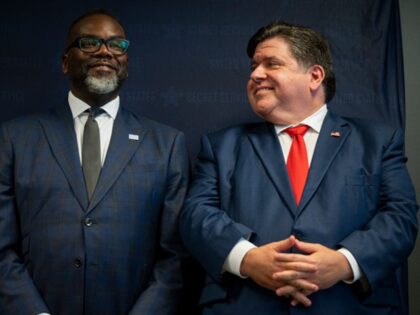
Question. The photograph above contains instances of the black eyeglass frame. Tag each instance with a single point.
(76, 43)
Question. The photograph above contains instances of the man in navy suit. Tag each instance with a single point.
(307, 212)
(72, 242)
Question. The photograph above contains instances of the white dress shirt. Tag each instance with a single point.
(233, 261)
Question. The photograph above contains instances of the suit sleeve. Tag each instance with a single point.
(206, 229)
(391, 232)
(164, 292)
(18, 294)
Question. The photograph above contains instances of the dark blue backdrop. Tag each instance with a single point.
(188, 67)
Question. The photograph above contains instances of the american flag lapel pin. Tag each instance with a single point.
(133, 137)
(335, 134)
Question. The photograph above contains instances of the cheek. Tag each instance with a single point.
(249, 86)
(76, 66)
(122, 60)
(123, 66)
(251, 96)
(278, 80)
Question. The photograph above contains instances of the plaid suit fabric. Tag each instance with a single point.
(118, 254)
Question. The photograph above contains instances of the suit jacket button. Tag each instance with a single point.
(77, 263)
(88, 222)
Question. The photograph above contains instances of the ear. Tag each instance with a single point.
(317, 76)
(65, 63)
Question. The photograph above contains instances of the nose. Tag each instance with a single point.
(103, 51)
(258, 74)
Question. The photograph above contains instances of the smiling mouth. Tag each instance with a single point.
(102, 71)
(263, 89)
(102, 67)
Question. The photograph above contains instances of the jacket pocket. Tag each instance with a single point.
(212, 293)
(383, 296)
(362, 194)
(362, 180)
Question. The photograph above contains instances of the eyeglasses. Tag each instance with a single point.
(116, 46)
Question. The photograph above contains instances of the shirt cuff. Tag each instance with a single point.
(353, 265)
(233, 261)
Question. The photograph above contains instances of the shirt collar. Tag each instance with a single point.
(314, 121)
(77, 106)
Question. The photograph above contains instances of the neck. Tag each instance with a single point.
(96, 100)
(293, 116)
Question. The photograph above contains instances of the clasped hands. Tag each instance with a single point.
(295, 275)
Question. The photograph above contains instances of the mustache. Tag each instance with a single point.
(102, 62)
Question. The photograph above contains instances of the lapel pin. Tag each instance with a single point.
(133, 137)
(335, 134)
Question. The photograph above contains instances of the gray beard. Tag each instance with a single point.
(101, 85)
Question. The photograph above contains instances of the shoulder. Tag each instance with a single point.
(232, 140)
(22, 124)
(153, 133)
(367, 128)
(147, 124)
(368, 124)
(24, 119)
(233, 133)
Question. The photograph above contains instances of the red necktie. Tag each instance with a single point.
(297, 161)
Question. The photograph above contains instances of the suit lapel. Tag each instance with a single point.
(334, 133)
(120, 151)
(268, 149)
(58, 126)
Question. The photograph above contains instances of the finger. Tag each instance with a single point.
(284, 245)
(306, 292)
(298, 266)
(286, 290)
(305, 247)
(268, 283)
(297, 296)
(290, 275)
(299, 283)
(304, 286)
(302, 299)
(287, 257)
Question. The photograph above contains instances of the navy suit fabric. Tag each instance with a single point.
(118, 254)
(358, 195)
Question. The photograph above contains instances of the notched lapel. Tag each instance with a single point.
(58, 126)
(334, 133)
(125, 140)
(268, 149)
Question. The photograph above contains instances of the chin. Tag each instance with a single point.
(102, 85)
(262, 109)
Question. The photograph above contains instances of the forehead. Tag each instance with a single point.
(273, 47)
(99, 25)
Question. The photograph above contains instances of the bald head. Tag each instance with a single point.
(87, 16)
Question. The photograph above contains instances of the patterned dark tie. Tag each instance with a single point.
(91, 151)
(297, 161)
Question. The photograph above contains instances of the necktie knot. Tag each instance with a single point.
(297, 131)
(94, 111)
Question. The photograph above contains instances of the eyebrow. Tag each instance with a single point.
(265, 59)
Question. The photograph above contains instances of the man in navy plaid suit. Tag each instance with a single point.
(112, 250)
